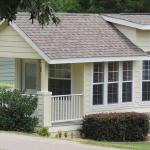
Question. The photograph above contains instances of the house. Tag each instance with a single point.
(89, 63)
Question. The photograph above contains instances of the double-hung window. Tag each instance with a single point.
(146, 81)
(98, 84)
(113, 80)
(127, 69)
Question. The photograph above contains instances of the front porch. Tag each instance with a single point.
(60, 85)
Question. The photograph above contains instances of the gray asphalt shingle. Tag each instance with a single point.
(78, 36)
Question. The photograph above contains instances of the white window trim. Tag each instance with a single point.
(105, 104)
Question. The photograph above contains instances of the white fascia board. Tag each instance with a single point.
(99, 59)
(29, 41)
(126, 23)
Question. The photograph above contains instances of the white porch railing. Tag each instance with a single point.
(66, 108)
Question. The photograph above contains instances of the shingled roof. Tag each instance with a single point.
(143, 19)
(78, 36)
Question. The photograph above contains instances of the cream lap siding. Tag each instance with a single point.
(7, 71)
(12, 45)
(129, 32)
(137, 82)
(77, 78)
(143, 39)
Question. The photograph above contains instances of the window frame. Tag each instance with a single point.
(128, 81)
(146, 81)
(120, 79)
(98, 83)
(113, 82)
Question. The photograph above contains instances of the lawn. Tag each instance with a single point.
(119, 145)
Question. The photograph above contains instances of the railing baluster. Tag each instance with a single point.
(66, 107)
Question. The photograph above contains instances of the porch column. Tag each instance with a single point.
(18, 73)
(44, 98)
(44, 108)
(44, 76)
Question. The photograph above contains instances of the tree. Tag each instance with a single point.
(65, 5)
(102, 6)
(38, 9)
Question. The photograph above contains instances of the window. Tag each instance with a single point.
(60, 79)
(127, 82)
(146, 81)
(30, 76)
(113, 78)
(98, 83)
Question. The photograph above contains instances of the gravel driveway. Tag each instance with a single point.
(11, 141)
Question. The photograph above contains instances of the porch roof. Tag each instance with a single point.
(78, 37)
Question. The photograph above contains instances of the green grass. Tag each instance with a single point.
(119, 145)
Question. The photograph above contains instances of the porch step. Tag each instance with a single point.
(65, 126)
(67, 123)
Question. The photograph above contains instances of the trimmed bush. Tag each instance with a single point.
(16, 111)
(116, 126)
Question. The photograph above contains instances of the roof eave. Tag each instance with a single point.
(126, 23)
(100, 59)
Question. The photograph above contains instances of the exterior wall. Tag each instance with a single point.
(128, 32)
(7, 71)
(77, 73)
(143, 39)
(140, 38)
(136, 105)
(12, 45)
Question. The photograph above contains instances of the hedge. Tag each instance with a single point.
(16, 111)
(116, 126)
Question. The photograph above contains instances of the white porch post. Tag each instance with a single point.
(44, 76)
(18, 73)
(44, 98)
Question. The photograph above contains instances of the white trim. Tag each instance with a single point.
(99, 59)
(29, 41)
(126, 23)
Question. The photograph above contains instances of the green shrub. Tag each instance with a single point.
(65, 134)
(116, 126)
(43, 132)
(16, 111)
(4, 86)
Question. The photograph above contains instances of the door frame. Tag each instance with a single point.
(37, 63)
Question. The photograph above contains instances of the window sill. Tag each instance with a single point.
(113, 106)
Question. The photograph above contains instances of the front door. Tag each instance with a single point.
(30, 76)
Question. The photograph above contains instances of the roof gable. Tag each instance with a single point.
(13, 45)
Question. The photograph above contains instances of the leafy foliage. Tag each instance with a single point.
(102, 6)
(43, 132)
(39, 9)
(116, 126)
(16, 111)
